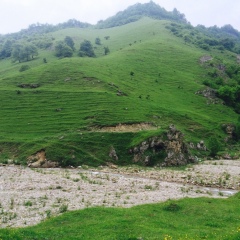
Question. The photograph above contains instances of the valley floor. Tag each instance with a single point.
(28, 196)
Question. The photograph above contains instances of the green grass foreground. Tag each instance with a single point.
(200, 218)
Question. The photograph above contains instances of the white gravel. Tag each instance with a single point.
(28, 196)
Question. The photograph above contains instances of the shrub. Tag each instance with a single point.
(214, 146)
(86, 49)
(24, 68)
(236, 131)
(28, 204)
(172, 207)
(98, 41)
(63, 208)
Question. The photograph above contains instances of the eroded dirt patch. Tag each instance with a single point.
(127, 128)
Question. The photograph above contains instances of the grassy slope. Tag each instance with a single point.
(201, 218)
(167, 74)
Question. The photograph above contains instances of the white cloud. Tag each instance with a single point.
(18, 14)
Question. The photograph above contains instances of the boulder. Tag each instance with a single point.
(38, 160)
(229, 129)
(113, 154)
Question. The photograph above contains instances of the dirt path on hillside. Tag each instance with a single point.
(28, 196)
(127, 128)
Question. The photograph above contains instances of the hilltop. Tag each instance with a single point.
(81, 94)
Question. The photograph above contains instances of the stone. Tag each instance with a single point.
(113, 154)
(205, 59)
(10, 161)
(38, 160)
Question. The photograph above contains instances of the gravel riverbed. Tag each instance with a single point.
(29, 196)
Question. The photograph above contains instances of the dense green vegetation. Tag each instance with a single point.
(224, 38)
(137, 11)
(201, 218)
(54, 97)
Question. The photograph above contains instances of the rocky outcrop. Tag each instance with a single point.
(199, 146)
(207, 93)
(205, 59)
(113, 154)
(211, 95)
(169, 150)
(38, 160)
(176, 149)
(229, 130)
(238, 58)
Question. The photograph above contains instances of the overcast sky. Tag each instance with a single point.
(19, 14)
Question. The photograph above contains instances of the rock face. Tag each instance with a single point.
(176, 149)
(200, 146)
(205, 59)
(238, 58)
(211, 95)
(208, 93)
(113, 154)
(229, 130)
(38, 160)
(169, 149)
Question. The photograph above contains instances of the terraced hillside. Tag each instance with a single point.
(149, 77)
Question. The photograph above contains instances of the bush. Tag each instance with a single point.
(204, 46)
(63, 50)
(63, 208)
(98, 41)
(172, 207)
(236, 131)
(86, 49)
(24, 68)
(214, 146)
(227, 94)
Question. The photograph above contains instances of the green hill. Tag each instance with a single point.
(151, 75)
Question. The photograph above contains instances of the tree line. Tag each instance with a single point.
(66, 48)
(21, 51)
(18, 51)
(224, 38)
(225, 79)
(137, 11)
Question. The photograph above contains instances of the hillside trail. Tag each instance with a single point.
(29, 196)
(136, 127)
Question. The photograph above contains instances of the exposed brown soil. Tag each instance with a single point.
(127, 128)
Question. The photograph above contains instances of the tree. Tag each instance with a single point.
(24, 68)
(24, 52)
(16, 53)
(228, 43)
(86, 49)
(106, 50)
(6, 49)
(63, 50)
(227, 93)
(214, 146)
(69, 41)
(98, 41)
(236, 132)
(29, 51)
